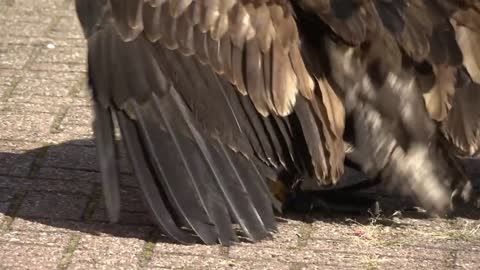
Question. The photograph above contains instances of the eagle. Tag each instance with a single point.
(228, 107)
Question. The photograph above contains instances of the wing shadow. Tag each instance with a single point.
(59, 186)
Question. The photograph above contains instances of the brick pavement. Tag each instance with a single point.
(51, 210)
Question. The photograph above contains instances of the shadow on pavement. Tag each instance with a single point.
(59, 186)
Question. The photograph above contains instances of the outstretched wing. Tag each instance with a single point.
(209, 96)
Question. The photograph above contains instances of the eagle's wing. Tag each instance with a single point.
(208, 95)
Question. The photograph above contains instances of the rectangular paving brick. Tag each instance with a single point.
(293, 255)
(7, 83)
(57, 85)
(202, 262)
(93, 251)
(72, 156)
(19, 256)
(70, 227)
(46, 225)
(75, 175)
(46, 239)
(58, 67)
(16, 163)
(133, 210)
(51, 5)
(34, 26)
(468, 258)
(16, 57)
(27, 250)
(67, 27)
(88, 264)
(66, 133)
(9, 106)
(39, 184)
(30, 127)
(71, 175)
(178, 256)
(84, 91)
(81, 131)
(53, 205)
(57, 102)
(6, 196)
(16, 146)
(289, 235)
(53, 54)
(77, 156)
(79, 115)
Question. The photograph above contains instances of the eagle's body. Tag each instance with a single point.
(215, 99)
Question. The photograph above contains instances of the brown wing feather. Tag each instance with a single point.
(468, 38)
(266, 26)
(462, 126)
(256, 46)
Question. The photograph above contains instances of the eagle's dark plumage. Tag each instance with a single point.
(218, 99)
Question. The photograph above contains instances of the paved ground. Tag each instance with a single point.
(51, 211)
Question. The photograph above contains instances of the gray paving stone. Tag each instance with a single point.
(18, 256)
(53, 205)
(107, 251)
(29, 127)
(39, 184)
(15, 57)
(46, 239)
(6, 195)
(186, 261)
(84, 157)
(14, 163)
(47, 85)
(79, 116)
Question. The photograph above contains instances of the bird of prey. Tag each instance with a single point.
(226, 107)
